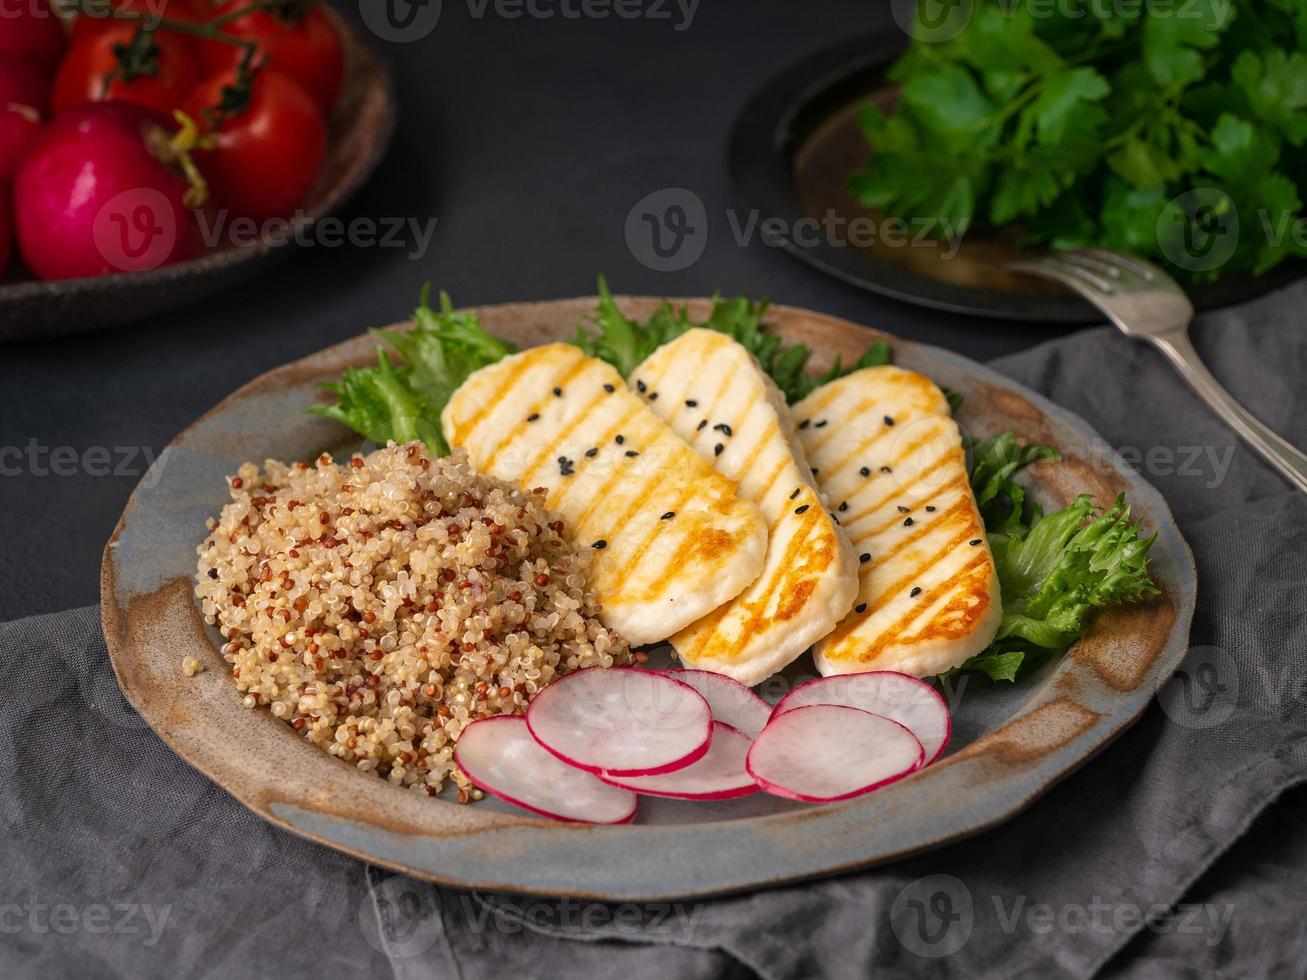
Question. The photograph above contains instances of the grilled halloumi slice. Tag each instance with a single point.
(714, 395)
(672, 538)
(889, 458)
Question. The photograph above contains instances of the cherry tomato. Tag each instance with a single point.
(31, 29)
(308, 49)
(268, 153)
(23, 83)
(88, 25)
(81, 77)
(19, 127)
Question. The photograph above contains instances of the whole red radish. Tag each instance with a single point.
(295, 39)
(93, 197)
(19, 126)
(269, 141)
(31, 29)
(158, 71)
(23, 83)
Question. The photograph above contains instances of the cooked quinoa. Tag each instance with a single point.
(379, 605)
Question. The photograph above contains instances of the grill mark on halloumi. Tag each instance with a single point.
(653, 577)
(810, 576)
(957, 607)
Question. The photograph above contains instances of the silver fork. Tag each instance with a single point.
(1147, 304)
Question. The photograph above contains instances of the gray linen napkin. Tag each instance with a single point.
(116, 859)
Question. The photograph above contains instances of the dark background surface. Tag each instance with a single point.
(530, 141)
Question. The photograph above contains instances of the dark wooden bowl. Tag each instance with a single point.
(359, 132)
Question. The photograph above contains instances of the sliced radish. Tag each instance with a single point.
(910, 701)
(621, 721)
(500, 756)
(825, 752)
(731, 702)
(719, 775)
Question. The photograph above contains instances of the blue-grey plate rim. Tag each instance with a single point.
(1070, 711)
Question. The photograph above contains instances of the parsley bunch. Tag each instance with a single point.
(1145, 127)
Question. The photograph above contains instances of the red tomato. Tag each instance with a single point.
(23, 83)
(81, 77)
(88, 25)
(307, 49)
(268, 153)
(30, 29)
(19, 127)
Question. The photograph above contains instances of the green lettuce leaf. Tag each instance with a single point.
(624, 342)
(402, 401)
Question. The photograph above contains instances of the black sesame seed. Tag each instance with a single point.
(594, 451)
(717, 449)
(653, 396)
(691, 403)
(668, 516)
(861, 607)
(796, 492)
(723, 428)
(609, 388)
(701, 426)
(916, 591)
(889, 420)
(864, 558)
(631, 452)
(558, 392)
(865, 471)
(820, 425)
(533, 416)
(973, 542)
(844, 506)
(640, 387)
(213, 573)
(600, 545)
(801, 509)
(805, 423)
(620, 439)
(886, 469)
(930, 508)
(815, 471)
(907, 522)
(904, 510)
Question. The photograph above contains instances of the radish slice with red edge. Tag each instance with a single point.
(622, 721)
(500, 756)
(719, 775)
(910, 701)
(821, 753)
(731, 702)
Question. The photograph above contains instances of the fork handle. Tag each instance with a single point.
(1275, 450)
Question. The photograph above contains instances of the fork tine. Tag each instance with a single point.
(1068, 275)
(1074, 270)
(1144, 270)
(1093, 263)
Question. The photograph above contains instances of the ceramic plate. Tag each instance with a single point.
(1010, 743)
(360, 130)
(796, 144)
